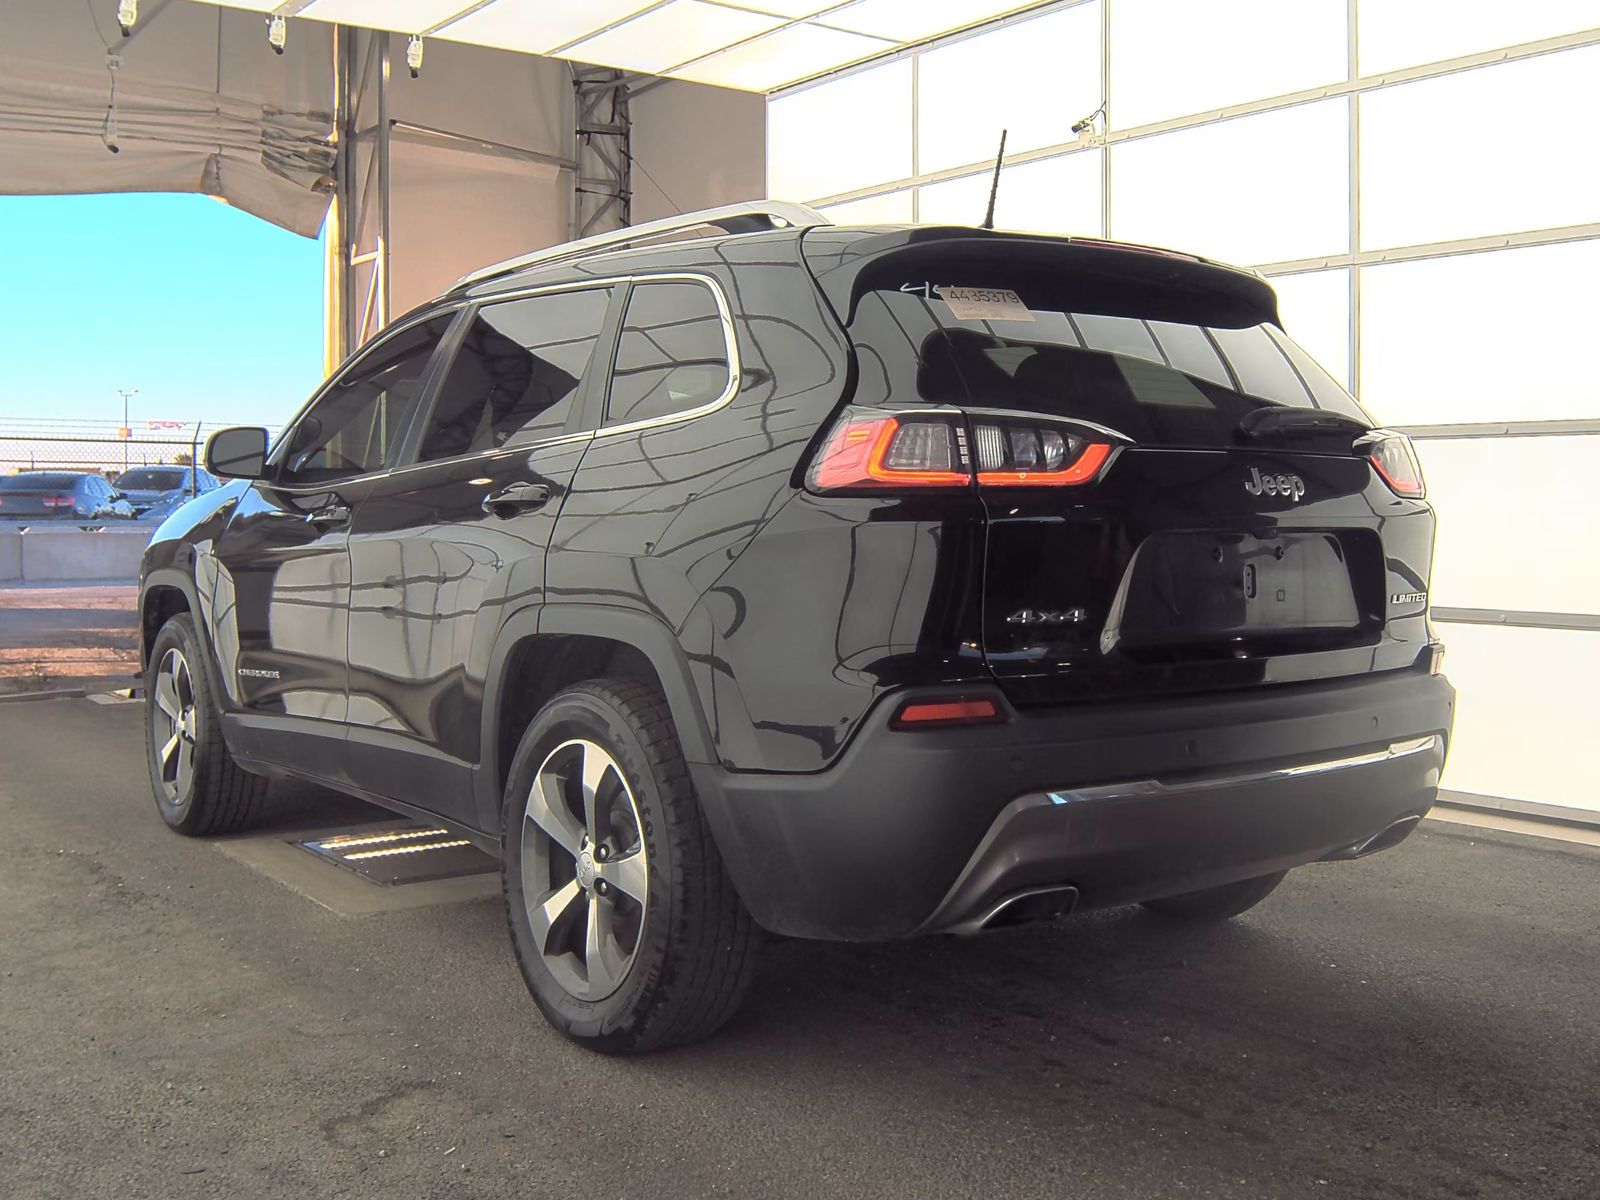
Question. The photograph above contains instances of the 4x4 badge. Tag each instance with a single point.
(1034, 616)
(1291, 486)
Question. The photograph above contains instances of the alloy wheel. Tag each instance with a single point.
(173, 725)
(585, 871)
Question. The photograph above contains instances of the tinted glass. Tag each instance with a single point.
(1159, 382)
(151, 479)
(23, 483)
(517, 374)
(354, 426)
(672, 355)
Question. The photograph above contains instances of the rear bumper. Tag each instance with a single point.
(915, 832)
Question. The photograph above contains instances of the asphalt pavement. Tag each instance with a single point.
(176, 1023)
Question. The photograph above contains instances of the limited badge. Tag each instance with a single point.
(984, 304)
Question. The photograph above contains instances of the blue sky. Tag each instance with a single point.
(213, 314)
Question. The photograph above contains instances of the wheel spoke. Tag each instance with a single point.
(182, 684)
(549, 812)
(595, 765)
(166, 695)
(185, 767)
(603, 958)
(546, 913)
(170, 749)
(629, 874)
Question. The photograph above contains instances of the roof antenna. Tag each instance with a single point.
(994, 187)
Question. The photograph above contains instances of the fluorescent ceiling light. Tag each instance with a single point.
(259, 6)
(538, 28)
(406, 16)
(902, 22)
(783, 57)
(664, 37)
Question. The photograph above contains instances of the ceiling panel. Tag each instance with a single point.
(790, 54)
(665, 37)
(406, 16)
(903, 21)
(539, 29)
(752, 45)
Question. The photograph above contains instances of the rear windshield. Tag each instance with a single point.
(1159, 382)
(28, 483)
(148, 479)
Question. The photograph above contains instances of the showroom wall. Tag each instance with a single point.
(1421, 181)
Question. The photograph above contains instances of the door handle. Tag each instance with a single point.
(515, 498)
(329, 516)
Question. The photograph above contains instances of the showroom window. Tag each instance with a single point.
(517, 374)
(672, 355)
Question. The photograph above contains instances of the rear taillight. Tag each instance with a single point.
(868, 450)
(58, 501)
(1395, 459)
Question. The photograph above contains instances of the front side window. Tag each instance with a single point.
(672, 355)
(517, 374)
(354, 426)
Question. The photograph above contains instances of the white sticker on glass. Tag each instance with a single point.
(984, 304)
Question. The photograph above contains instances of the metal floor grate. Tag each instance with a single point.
(402, 854)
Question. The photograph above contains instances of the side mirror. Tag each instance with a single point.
(237, 453)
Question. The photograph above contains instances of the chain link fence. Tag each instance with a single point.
(100, 447)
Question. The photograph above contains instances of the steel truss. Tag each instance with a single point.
(603, 190)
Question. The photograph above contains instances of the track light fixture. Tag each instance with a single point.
(108, 127)
(277, 32)
(127, 14)
(414, 54)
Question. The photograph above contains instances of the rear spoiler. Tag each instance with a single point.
(1150, 282)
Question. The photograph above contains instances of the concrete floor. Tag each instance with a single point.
(177, 1023)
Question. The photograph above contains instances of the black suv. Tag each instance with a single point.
(847, 583)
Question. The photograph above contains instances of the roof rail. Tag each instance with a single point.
(754, 216)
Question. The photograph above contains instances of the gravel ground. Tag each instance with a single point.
(67, 635)
(1419, 1024)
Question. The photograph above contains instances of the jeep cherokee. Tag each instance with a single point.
(849, 583)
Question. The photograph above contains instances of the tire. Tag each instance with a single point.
(1218, 903)
(676, 946)
(199, 789)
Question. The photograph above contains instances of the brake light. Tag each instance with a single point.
(920, 714)
(891, 452)
(1395, 459)
(879, 452)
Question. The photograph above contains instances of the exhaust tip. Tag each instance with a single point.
(1022, 908)
(1392, 836)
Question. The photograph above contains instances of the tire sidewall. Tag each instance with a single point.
(177, 634)
(583, 713)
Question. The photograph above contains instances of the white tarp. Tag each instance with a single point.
(202, 105)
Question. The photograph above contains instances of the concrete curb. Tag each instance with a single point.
(36, 555)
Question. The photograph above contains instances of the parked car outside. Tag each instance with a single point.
(60, 496)
(145, 487)
(842, 582)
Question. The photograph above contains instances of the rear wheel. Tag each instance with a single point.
(1218, 903)
(629, 935)
(198, 787)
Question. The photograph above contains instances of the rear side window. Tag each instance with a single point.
(672, 355)
(517, 374)
(1159, 382)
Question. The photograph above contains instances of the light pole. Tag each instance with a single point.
(127, 429)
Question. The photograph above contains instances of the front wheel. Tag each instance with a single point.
(1218, 903)
(628, 932)
(199, 788)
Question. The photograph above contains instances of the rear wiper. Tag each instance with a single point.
(1273, 421)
